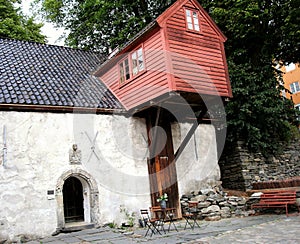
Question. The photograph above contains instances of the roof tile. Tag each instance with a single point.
(39, 74)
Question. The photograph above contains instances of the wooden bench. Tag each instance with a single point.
(277, 199)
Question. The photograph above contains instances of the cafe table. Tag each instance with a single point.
(165, 215)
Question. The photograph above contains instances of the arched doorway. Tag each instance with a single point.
(77, 200)
(73, 200)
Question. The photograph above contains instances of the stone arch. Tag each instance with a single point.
(90, 193)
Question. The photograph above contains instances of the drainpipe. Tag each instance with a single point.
(4, 157)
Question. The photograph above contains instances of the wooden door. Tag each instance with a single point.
(161, 163)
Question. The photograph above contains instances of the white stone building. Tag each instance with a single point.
(37, 135)
(74, 156)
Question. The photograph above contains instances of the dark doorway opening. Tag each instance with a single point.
(73, 200)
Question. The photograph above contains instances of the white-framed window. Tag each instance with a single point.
(132, 65)
(192, 20)
(124, 71)
(137, 61)
(295, 87)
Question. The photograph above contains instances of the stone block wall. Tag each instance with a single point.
(240, 168)
(215, 204)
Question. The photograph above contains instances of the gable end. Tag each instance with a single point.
(189, 4)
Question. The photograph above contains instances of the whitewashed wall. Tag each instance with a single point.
(114, 152)
(197, 167)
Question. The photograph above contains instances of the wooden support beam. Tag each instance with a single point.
(154, 137)
(189, 134)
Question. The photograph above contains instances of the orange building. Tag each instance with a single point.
(291, 78)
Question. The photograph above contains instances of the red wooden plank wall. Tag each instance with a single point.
(149, 85)
(197, 58)
(196, 63)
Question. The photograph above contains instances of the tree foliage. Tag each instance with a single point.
(260, 33)
(15, 25)
(101, 25)
(259, 28)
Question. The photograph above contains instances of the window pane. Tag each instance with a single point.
(188, 13)
(189, 19)
(292, 88)
(127, 74)
(195, 16)
(297, 87)
(196, 21)
(140, 59)
(122, 78)
(134, 63)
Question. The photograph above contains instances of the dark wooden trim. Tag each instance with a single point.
(161, 167)
(154, 138)
(189, 134)
(226, 70)
(186, 140)
(58, 109)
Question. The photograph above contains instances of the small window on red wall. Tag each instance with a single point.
(124, 71)
(192, 20)
(131, 66)
(137, 59)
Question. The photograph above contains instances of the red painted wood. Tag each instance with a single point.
(279, 198)
(198, 61)
(152, 83)
(176, 59)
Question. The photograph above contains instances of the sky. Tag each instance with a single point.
(48, 29)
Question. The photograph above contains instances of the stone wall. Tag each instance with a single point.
(240, 168)
(112, 168)
(215, 204)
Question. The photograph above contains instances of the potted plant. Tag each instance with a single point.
(163, 200)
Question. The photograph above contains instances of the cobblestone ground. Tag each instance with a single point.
(253, 229)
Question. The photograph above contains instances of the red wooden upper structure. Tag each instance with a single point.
(181, 52)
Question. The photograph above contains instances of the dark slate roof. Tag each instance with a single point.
(46, 75)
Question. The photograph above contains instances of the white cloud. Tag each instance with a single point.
(53, 34)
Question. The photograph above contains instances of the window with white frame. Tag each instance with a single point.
(137, 61)
(192, 19)
(295, 87)
(124, 71)
(131, 66)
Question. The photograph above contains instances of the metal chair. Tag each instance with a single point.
(149, 222)
(160, 215)
(191, 215)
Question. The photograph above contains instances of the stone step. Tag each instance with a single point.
(77, 226)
